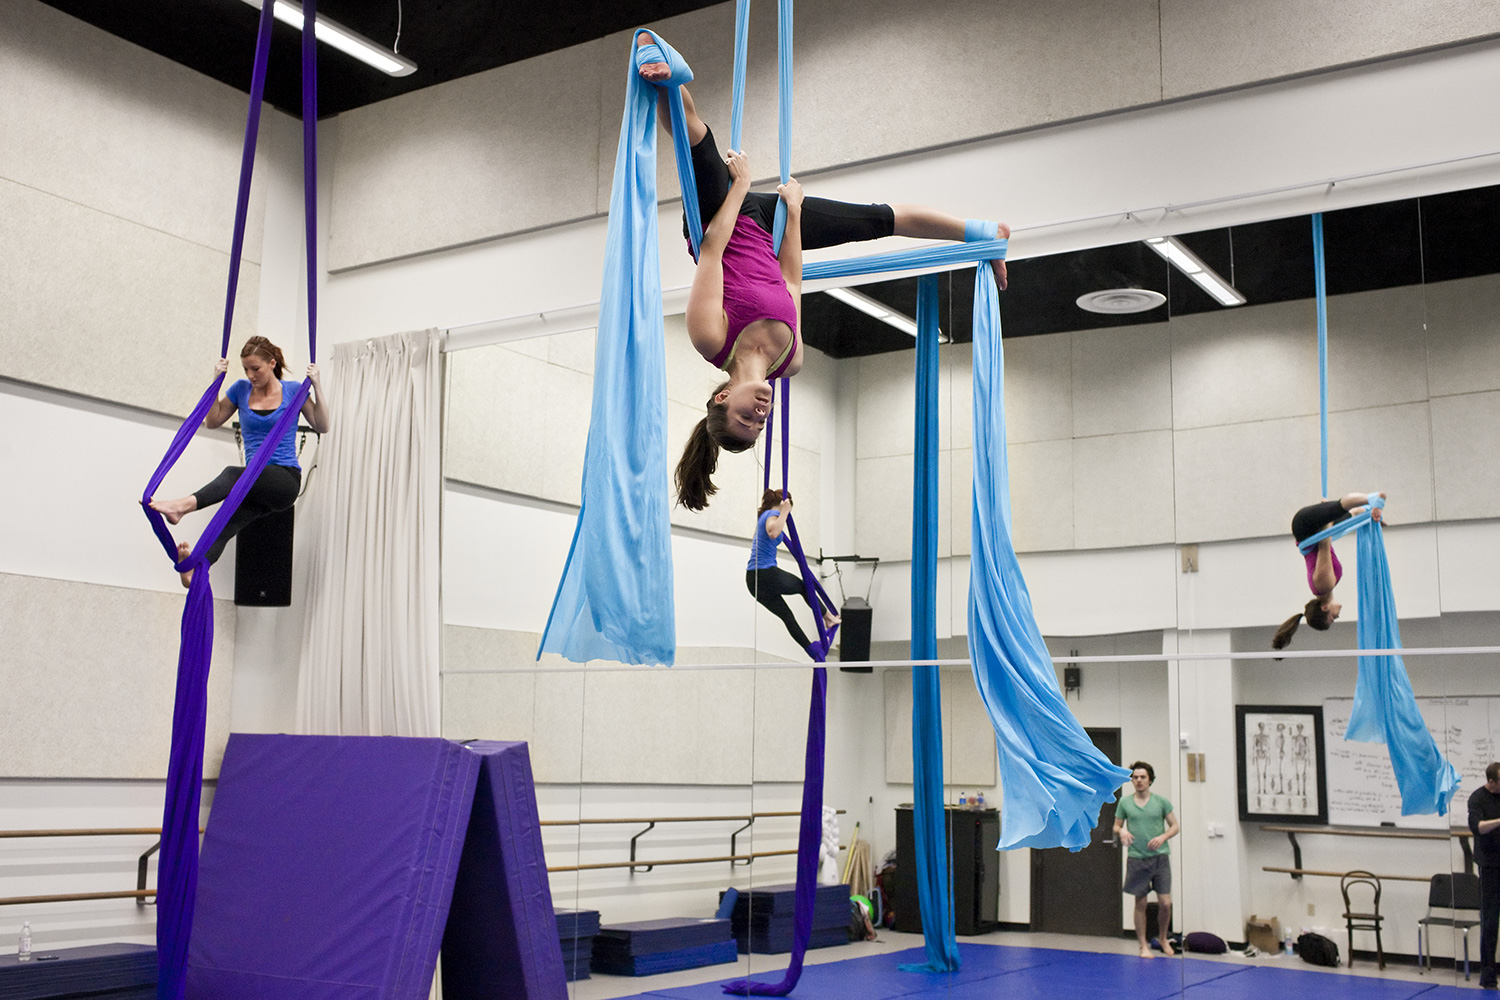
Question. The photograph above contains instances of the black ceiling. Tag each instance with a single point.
(447, 39)
(1381, 246)
(1437, 238)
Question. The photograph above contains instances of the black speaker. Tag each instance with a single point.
(854, 634)
(263, 561)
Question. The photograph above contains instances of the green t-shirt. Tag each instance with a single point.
(1145, 822)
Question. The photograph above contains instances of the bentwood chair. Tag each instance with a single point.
(1362, 920)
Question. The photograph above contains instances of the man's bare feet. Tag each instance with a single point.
(654, 72)
(1146, 952)
(1166, 947)
(173, 510)
(183, 551)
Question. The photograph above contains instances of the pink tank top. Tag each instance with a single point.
(1312, 564)
(754, 289)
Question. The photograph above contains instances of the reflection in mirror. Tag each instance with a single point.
(1156, 460)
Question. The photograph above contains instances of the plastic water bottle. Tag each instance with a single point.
(23, 950)
(1288, 946)
(963, 800)
(979, 800)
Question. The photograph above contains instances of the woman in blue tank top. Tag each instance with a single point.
(768, 583)
(259, 398)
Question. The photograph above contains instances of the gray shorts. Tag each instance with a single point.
(1142, 875)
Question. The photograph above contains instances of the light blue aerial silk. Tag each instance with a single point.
(614, 601)
(929, 820)
(1385, 707)
(1054, 780)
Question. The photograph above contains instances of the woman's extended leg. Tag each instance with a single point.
(769, 587)
(922, 222)
(655, 73)
(275, 489)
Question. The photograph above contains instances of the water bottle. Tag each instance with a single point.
(23, 950)
(979, 800)
(963, 800)
(1288, 946)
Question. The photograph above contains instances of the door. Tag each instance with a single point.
(1079, 892)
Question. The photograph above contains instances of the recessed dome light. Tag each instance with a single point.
(1117, 301)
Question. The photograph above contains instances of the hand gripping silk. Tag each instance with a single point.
(614, 601)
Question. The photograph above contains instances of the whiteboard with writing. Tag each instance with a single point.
(1361, 785)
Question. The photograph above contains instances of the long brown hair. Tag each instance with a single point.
(700, 458)
(262, 347)
(1317, 617)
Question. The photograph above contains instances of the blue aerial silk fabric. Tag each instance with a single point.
(1054, 780)
(614, 601)
(1385, 707)
(929, 820)
(177, 873)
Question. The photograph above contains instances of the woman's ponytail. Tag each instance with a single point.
(1283, 637)
(696, 468)
(1317, 617)
(701, 456)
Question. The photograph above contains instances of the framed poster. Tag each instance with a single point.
(1281, 764)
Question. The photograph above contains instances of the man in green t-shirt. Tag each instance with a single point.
(1144, 822)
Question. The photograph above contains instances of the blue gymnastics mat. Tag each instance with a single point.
(1020, 973)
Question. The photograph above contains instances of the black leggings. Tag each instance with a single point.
(275, 489)
(825, 223)
(769, 586)
(1310, 520)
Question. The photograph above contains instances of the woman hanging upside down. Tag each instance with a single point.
(745, 302)
(768, 583)
(1323, 568)
(259, 398)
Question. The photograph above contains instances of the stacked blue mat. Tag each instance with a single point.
(576, 930)
(763, 918)
(106, 971)
(649, 947)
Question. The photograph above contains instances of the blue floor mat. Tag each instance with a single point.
(991, 971)
(1257, 982)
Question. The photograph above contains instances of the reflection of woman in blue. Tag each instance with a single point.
(769, 583)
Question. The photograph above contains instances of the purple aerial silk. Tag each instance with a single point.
(810, 831)
(177, 875)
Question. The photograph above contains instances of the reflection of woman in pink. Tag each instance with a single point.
(1323, 568)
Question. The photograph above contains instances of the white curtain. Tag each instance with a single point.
(370, 645)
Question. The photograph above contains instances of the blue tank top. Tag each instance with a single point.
(763, 549)
(254, 427)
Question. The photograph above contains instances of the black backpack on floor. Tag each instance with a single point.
(1316, 949)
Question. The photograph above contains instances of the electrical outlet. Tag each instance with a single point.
(1189, 558)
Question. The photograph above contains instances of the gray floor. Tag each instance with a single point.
(605, 987)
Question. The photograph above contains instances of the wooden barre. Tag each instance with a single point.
(673, 861)
(143, 831)
(671, 819)
(1310, 871)
(72, 897)
(1456, 833)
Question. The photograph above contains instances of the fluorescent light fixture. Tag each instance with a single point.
(1189, 264)
(351, 43)
(882, 312)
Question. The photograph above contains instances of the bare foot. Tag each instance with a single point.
(183, 551)
(1002, 232)
(1166, 947)
(652, 72)
(173, 510)
(830, 619)
(1146, 952)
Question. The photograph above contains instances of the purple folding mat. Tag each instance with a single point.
(329, 864)
(502, 942)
